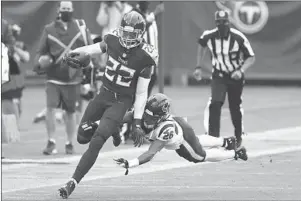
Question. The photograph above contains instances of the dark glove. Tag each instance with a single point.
(71, 60)
(138, 134)
(123, 163)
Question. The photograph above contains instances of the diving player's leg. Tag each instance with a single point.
(210, 141)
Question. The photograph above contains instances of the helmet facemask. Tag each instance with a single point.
(151, 120)
(130, 37)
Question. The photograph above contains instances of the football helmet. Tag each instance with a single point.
(131, 29)
(156, 109)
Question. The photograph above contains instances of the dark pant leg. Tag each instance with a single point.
(218, 94)
(108, 125)
(235, 89)
(94, 111)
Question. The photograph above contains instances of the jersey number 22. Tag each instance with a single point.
(123, 74)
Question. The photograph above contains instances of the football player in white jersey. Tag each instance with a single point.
(174, 133)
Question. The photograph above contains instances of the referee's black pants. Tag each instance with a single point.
(221, 85)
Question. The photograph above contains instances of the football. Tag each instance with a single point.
(83, 57)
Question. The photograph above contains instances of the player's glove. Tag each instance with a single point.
(138, 134)
(123, 163)
(71, 60)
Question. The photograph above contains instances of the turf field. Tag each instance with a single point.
(272, 121)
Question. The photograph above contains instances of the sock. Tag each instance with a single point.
(88, 158)
(224, 143)
(74, 181)
(210, 141)
(214, 155)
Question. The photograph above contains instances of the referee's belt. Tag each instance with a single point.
(218, 73)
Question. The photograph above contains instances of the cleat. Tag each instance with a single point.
(69, 149)
(116, 139)
(241, 153)
(230, 143)
(50, 148)
(66, 190)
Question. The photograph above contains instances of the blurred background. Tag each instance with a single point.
(273, 29)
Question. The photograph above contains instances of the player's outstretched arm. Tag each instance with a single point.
(147, 156)
(97, 48)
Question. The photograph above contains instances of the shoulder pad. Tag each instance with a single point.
(166, 131)
(152, 52)
(112, 34)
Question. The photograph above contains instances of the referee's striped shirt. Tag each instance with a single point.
(228, 54)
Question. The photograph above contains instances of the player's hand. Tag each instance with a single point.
(237, 75)
(123, 163)
(138, 136)
(197, 74)
(71, 59)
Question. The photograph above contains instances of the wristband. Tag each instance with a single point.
(133, 163)
(137, 123)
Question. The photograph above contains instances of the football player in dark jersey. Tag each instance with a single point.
(127, 75)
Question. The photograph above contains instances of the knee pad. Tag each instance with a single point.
(85, 132)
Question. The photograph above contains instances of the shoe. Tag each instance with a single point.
(66, 190)
(50, 148)
(116, 139)
(230, 143)
(69, 149)
(39, 119)
(241, 153)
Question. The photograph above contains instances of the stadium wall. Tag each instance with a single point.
(273, 29)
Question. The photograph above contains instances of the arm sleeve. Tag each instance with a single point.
(246, 48)
(203, 40)
(141, 97)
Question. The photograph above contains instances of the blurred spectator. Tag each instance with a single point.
(4, 64)
(110, 14)
(63, 83)
(18, 56)
(9, 111)
(6, 34)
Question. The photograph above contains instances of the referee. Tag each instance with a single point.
(232, 55)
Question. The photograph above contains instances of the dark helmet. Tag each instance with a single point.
(131, 29)
(156, 109)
